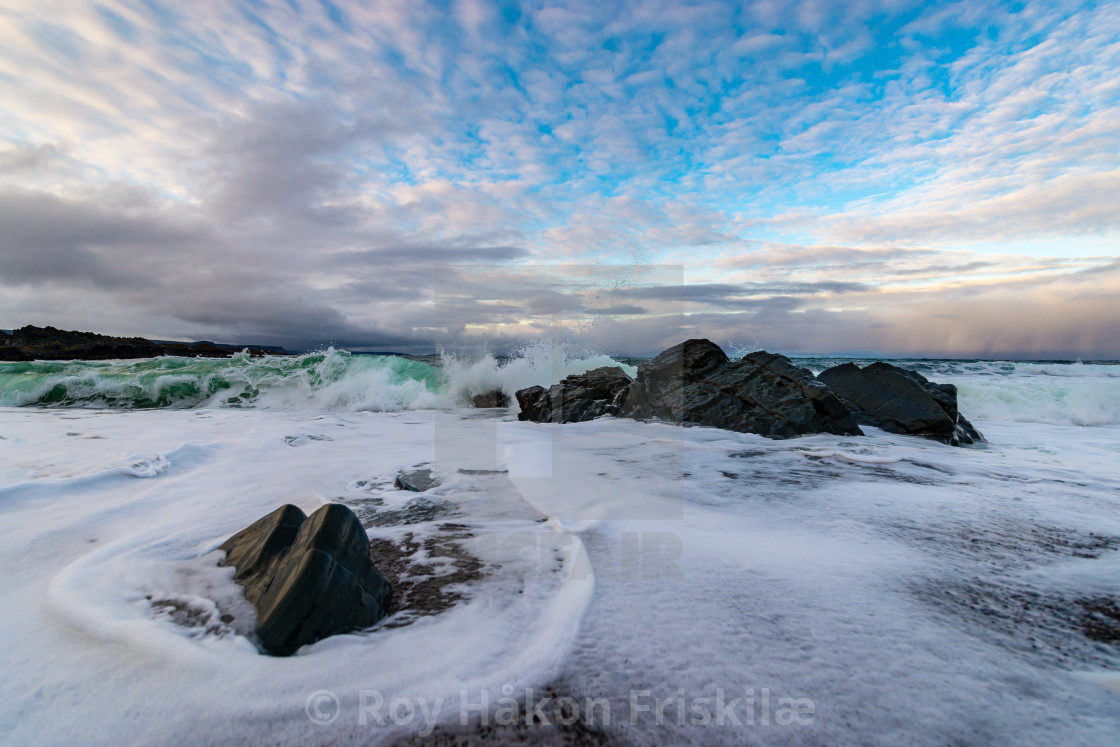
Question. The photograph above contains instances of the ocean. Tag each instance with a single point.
(680, 585)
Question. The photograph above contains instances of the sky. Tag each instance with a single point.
(865, 177)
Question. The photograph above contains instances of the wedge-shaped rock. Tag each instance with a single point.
(307, 577)
(579, 397)
(694, 383)
(901, 401)
(255, 551)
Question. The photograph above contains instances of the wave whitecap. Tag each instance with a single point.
(1055, 393)
(330, 380)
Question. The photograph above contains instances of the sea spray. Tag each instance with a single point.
(540, 363)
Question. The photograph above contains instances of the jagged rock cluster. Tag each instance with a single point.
(579, 397)
(695, 383)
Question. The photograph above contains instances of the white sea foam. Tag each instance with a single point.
(675, 560)
(1025, 392)
(1090, 396)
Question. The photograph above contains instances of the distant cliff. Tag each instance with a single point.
(47, 343)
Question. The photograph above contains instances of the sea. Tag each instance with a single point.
(665, 584)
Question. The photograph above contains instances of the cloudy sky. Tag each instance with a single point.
(806, 176)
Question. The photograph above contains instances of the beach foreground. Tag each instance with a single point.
(673, 584)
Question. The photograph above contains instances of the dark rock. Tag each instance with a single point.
(577, 398)
(901, 401)
(256, 550)
(48, 343)
(8, 353)
(493, 398)
(966, 432)
(418, 481)
(694, 383)
(307, 577)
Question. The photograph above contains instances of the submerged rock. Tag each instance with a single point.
(307, 577)
(695, 383)
(416, 511)
(493, 398)
(578, 397)
(901, 401)
(429, 573)
(418, 481)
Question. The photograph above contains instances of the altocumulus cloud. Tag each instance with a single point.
(898, 177)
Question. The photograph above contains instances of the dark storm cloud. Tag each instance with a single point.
(240, 262)
(28, 157)
(697, 293)
(45, 239)
(292, 161)
(737, 296)
(420, 254)
(621, 310)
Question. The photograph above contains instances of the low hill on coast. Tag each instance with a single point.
(48, 343)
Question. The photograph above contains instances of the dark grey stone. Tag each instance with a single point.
(417, 480)
(901, 401)
(493, 398)
(307, 577)
(577, 398)
(694, 383)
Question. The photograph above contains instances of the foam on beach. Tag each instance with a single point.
(618, 557)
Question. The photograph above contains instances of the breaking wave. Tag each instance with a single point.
(1053, 392)
(331, 380)
(1064, 393)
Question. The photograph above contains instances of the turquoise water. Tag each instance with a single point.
(237, 381)
(1059, 392)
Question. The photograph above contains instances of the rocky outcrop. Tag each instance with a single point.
(493, 398)
(47, 343)
(577, 398)
(307, 577)
(694, 383)
(901, 401)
